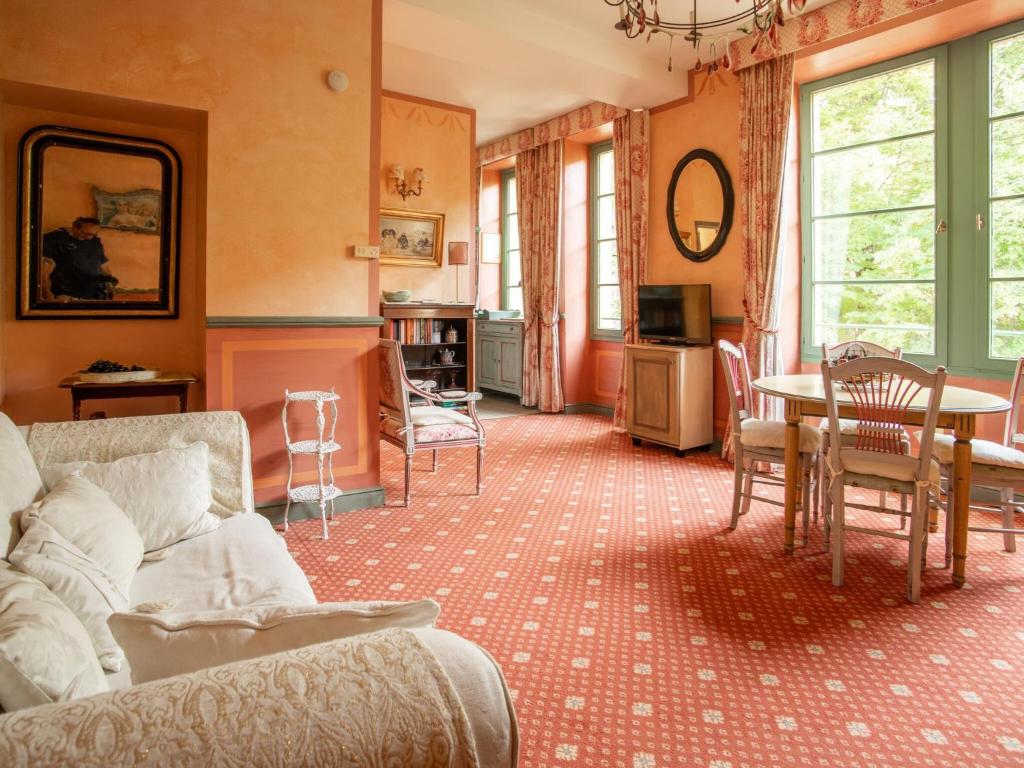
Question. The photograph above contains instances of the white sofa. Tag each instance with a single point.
(242, 563)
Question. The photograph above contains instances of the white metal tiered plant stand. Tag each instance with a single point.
(324, 491)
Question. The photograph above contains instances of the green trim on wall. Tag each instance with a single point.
(726, 320)
(371, 321)
(348, 502)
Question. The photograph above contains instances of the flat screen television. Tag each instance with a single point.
(675, 314)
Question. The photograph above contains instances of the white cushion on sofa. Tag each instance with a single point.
(166, 494)
(242, 563)
(45, 652)
(87, 517)
(20, 484)
(80, 583)
(166, 644)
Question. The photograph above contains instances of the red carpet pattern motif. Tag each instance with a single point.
(635, 630)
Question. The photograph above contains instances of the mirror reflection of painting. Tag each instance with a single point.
(100, 218)
(100, 212)
(698, 205)
(411, 238)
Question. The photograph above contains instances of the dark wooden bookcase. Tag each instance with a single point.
(412, 325)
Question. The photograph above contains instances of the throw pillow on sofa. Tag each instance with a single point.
(87, 517)
(81, 584)
(166, 644)
(166, 494)
(45, 652)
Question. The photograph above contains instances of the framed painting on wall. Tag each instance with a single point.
(98, 225)
(411, 238)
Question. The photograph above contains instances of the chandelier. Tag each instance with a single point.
(639, 16)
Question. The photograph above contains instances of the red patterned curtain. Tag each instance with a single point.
(539, 187)
(766, 93)
(631, 148)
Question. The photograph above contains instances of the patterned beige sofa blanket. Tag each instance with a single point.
(105, 440)
(375, 700)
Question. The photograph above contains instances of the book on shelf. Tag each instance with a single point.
(418, 331)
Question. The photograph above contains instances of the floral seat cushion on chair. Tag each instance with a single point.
(433, 424)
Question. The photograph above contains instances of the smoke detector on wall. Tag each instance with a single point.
(337, 80)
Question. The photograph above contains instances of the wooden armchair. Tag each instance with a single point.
(424, 427)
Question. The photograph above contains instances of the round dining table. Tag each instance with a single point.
(804, 395)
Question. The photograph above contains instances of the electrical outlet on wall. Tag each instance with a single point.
(367, 251)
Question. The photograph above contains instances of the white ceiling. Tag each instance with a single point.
(519, 62)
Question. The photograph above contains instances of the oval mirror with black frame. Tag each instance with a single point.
(700, 205)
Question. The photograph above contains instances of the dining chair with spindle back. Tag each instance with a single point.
(881, 391)
(756, 441)
(995, 468)
(845, 351)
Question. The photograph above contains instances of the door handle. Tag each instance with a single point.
(979, 222)
(941, 228)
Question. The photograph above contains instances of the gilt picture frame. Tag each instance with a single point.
(99, 220)
(411, 238)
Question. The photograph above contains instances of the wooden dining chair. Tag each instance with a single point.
(996, 469)
(843, 351)
(757, 441)
(881, 390)
(429, 427)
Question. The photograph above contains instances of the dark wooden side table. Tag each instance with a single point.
(167, 384)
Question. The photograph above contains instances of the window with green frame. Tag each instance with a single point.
(511, 265)
(605, 301)
(891, 253)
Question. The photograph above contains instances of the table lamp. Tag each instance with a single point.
(458, 254)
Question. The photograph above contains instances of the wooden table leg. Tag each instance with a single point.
(183, 400)
(792, 459)
(76, 406)
(963, 431)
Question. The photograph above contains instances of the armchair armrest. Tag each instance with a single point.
(256, 696)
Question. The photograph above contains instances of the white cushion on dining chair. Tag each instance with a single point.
(888, 465)
(846, 426)
(982, 452)
(760, 433)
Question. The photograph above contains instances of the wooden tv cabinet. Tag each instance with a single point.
(669, 395)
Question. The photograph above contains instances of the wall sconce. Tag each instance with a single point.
(397, 175)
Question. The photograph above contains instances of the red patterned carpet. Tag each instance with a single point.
(636, 631)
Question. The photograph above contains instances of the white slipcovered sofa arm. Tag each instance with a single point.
(370, 700)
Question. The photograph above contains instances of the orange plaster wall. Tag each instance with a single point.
(39, 353)
(490, 222)
(288, 179)
(709, 121)
(249, 369)
(439, 139)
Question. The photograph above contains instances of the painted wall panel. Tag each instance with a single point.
(248, 370)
